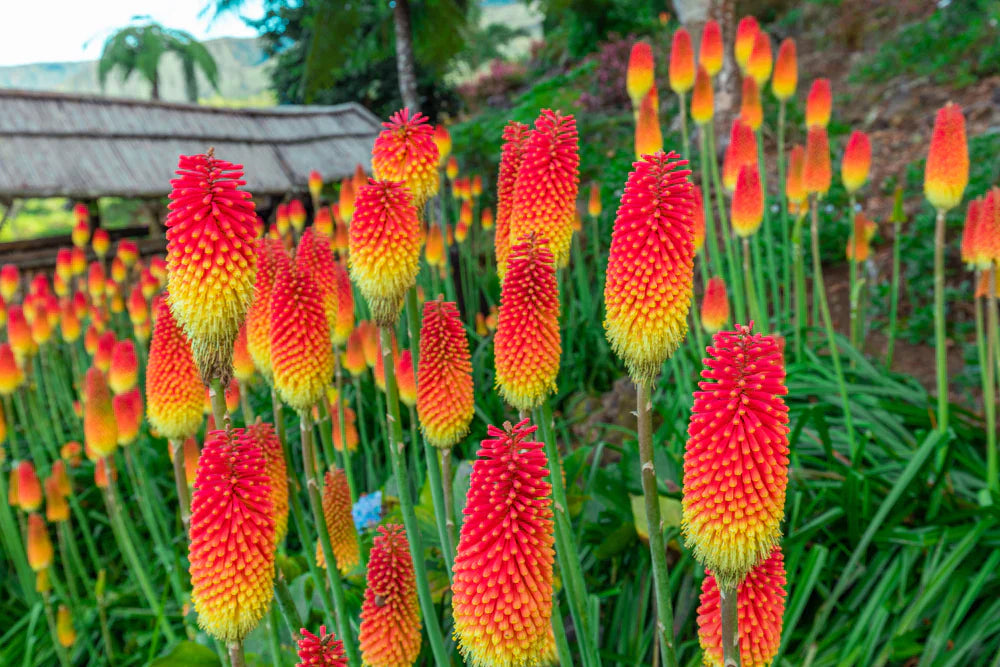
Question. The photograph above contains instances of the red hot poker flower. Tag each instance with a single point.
(736, 462)
(445, 400)
(857, 161)
(173, 386)
(947, 171)
(515, 136)
(339, 523)
(786, 71)
(324, 650)
(503, 612)
(405, 152)
(390, 616)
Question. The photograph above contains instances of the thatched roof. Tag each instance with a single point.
(81, 147)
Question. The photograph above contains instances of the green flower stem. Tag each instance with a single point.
(273, 639)
(729, 616)
(245, 407)
(799, 271)
(754, 308)
(820, 291)
(440, 489)
(449, 500)
(768, 243)
(897, 222)
(332, 573)
(735, 286)
(236, 658)
(286, 605)
(566, 551)
(449, 281)
(989, 386)
(783, 207)
(682, 111)
(394, 443)
(279, 425)
(657, 549)
(366, 446)
(559, 630)
(342, 425)
(66, 535)
(136, 566)
(72, 586)
(218, 397)
(329, 459)
(714, 259)
(180, 481)
(940, 349)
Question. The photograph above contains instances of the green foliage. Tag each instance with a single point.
(584, 23)
(956, 45)
(139, 48)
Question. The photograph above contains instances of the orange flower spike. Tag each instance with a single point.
(742, 150)
(315, 184)
(795, 185)
(445, 400)
(681, 62)
(760, 602)
(988, 234)
(80, 234)
(434, 246)
(138, 309)
(101, 472)
(503, 613)
(816, 170)
(346, 199)
(715, 306)
(859, 244)
(547, 184)
(231, 551)
(29, 488)
(350, 429)
(751, 110)
(263, 435)
(324, 650)
(451, 168)
(56, 507)
(594, 201)
(211, 230)
(64, 627)
(40, 551)
(301, 355)
(515, 139)
(339, 523)
(651, 265)
(41, 327)
(697, 219)
(527, 344)
(819, 104)
(703, 97)
(946, 173)
(128, 415)
(243, 367)
(58, 473)
(100, 429)
(105, 346)
(315, 258)
(639, 75)
(78, 261)
(11, 375)
(442, 139)
(761, 59)
(100, 242)
(405, 379)
(323, 224)
(10, 281)
(786, 71)
(486, 218)
(270, 257)
(369, 341)
(282, 221)
(390, 616)
(385, 248)
(739, 407)
(19, 334)
(857, 161)
(405, 152)
(124, 370)
(746, 36)
(354, 354)
(174, 390)
(648, 136)
(296, 215)
(710, 52)
(748, 202)
(970, 233)
(476, 188)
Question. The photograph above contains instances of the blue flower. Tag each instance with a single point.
(367, 512)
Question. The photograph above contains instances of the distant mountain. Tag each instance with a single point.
(243, 76)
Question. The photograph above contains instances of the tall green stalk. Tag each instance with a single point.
(754, 307)
(852, 333)
(180, 483)
(940, 349)
(897, 222)
(772, 262)
(989, 387)
(798, 262)
(682, 111)
(566, 551)
(342, 426)
(715, 261)
(657, 549)
(820, 291)
(393, 442)
(735, 275)
(729, 617)
(316, 504)
(783, 207)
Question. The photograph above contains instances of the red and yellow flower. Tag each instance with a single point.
(173, 385)
(515, 138)
(819, 104)
(445, 400)
(339, 523)
(710, 52)
(405, 152)
(639, 75)
(857, 161)
(100, 428)
(390, 616)
(714, 306)
(947, 171)
(681, 70)
(324, 650)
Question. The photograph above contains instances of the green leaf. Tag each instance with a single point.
(670, 514)
(187, 654)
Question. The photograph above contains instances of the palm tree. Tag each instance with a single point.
(138, 48)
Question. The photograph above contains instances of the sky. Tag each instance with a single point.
(69, 30)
